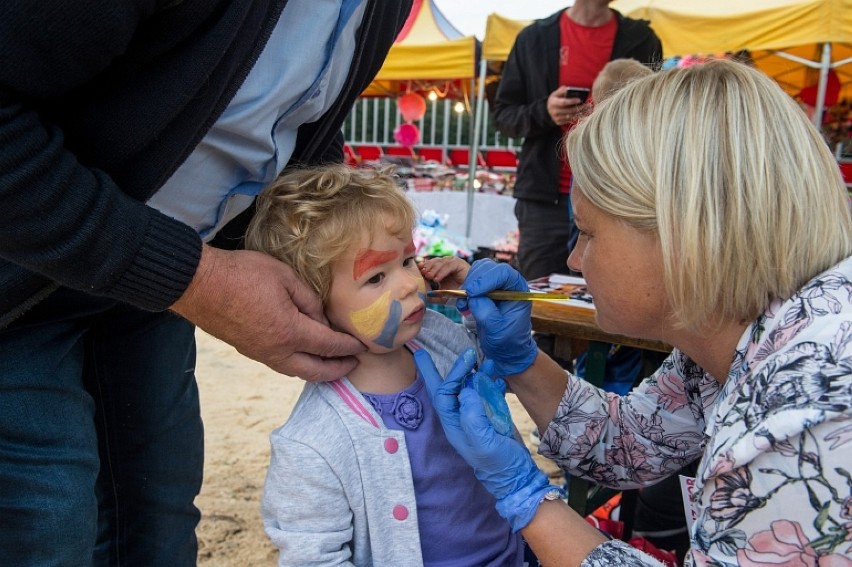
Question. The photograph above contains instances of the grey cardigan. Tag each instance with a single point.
(331, 485)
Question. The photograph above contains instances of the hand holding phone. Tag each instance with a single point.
(578, 92)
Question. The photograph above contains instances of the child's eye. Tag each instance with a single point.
(408, 262)
(377, 279)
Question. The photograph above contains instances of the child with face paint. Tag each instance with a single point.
(362, 473)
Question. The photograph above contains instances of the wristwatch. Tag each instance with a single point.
(555, 493)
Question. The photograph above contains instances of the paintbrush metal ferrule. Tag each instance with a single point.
(502, 295)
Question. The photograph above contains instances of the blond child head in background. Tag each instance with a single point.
(615, 75)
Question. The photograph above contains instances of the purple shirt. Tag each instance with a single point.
(456, 516)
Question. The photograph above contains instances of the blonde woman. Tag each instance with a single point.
(712, 217)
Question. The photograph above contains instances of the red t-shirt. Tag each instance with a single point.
(583, 52)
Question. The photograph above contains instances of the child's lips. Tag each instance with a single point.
(416, 316)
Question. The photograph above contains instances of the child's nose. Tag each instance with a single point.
(411, 285)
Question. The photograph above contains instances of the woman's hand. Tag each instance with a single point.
(504, 327)
(502, 464)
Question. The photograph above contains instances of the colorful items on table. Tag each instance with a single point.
(431, 237)
(486, 182)
(507, 244)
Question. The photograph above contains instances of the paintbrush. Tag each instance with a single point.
(501, 295)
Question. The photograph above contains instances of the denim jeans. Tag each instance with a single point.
(101, 441)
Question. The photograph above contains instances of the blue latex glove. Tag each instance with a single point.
(502, 464)
(493, 394)
(504, 327)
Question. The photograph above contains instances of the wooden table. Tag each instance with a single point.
(574, 328)
(575, 331)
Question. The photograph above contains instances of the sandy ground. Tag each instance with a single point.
(242, 401)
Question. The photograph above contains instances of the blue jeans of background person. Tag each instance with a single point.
(101, 441)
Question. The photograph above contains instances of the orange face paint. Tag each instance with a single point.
(367, 259)
(409, 249)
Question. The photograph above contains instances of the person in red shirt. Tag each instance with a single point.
(566, 49)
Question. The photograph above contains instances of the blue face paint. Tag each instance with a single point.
(389, 331)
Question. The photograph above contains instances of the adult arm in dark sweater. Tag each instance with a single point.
(76, 131)
(100, 101)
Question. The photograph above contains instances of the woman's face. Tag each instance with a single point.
(623, 269)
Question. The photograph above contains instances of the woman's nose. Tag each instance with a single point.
(574, 260)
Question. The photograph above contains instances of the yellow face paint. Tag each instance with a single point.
(370, 320)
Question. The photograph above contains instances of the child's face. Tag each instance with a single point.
(377, 292)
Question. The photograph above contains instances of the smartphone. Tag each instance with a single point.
(578, 92)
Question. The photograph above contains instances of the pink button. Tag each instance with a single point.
(400, 512)
(391, 445)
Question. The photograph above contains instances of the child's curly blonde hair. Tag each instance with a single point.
(307, 218)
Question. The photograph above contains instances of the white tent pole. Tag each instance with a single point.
(485, 141)
(474, 146)
(434, 118)
(374, 138)
(386, 124)
(445, 141)
(364, 139)
(823, 83)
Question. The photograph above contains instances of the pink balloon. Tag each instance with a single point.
(407, 135)
(412, 106)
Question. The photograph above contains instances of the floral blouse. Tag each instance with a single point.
(774, 486)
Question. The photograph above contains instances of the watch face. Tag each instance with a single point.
(554, 494)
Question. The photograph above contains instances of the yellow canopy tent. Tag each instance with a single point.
(428, 54)
(500, 33)
(796, 42)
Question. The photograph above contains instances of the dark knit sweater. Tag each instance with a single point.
(100, 102)
(531, 73)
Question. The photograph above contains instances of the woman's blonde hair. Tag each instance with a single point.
(744, 194)
(307, 218)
